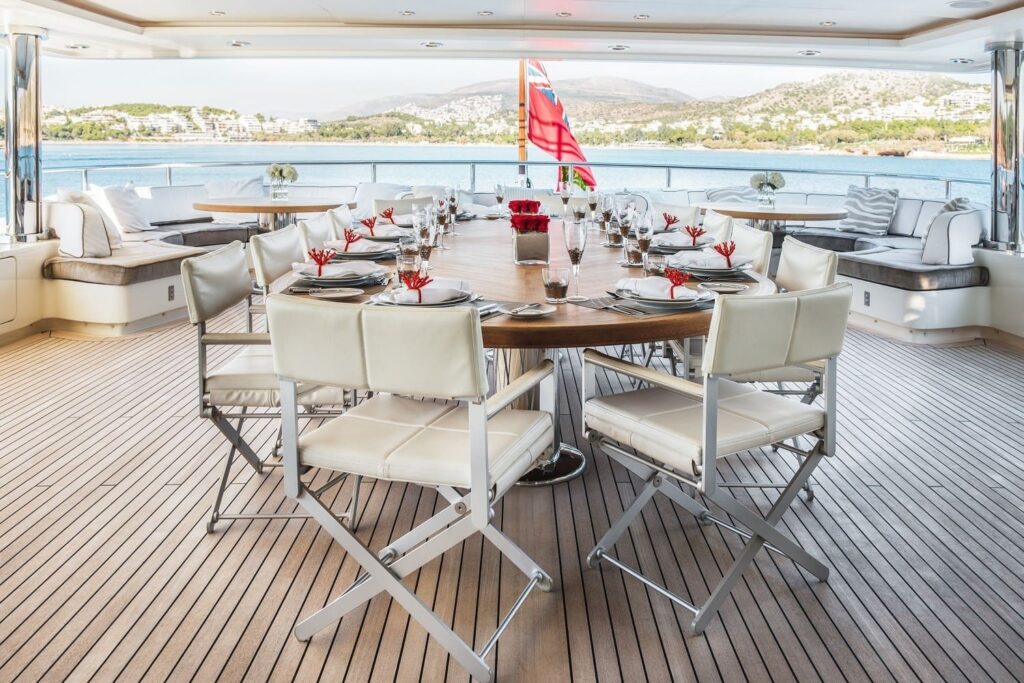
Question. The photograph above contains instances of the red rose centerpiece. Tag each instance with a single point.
(524, 206)
(530, 238)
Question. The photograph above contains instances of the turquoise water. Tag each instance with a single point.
(306, 158)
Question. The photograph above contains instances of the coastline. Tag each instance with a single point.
(917, 154)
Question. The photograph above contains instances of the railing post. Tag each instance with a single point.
(867, 181)
(85, 179)
(949, 188)
(167, 176)
(668, 177)
(472, 178)
(373, 172)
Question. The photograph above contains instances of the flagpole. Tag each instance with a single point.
(523, 109)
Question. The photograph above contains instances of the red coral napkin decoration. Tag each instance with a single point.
(524, 206)
(726, 249)
(351, 237)
(695, 232)
(321, 257)
(370, 224)
(388, 214)
(670, 220)
(528, 222)
(678, 278)
(415, 282)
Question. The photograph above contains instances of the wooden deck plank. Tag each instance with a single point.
(106, 570)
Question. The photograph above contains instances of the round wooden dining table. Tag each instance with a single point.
(274, 214)
(481, 255)
(766, 217)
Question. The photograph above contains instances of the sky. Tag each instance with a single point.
(311, 86)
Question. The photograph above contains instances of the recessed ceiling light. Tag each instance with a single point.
(641, 17)
(407, 13)
(618, 48)
(217, 13)
(962, 60)
(809, 53)
(827, 24)
(77, 46)
(970, 4)
(239, 43)
(432, 43)
(563, 15)
(485, 13)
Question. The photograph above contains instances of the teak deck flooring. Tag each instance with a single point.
(107, 572)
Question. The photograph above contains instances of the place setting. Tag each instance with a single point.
(387, 226)
(355, 245)
(323, 278)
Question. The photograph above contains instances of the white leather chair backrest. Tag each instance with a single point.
(718, 226)
(755, 333)
(215, 282)
(371, 348)
(428, 190)
(642, 204)
(402, 206)
(367, 192)
(753, 243)
(803, 266)
(273, 254)
(314, 233)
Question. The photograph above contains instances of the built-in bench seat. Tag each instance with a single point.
(903, 269)
(131, 264)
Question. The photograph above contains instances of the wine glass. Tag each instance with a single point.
(626, 219)
(644, 235)
(499, 194)
(425, 230)
(575, 233)
(592, 198)
(566, 195)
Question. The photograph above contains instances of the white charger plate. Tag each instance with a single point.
(533, 313)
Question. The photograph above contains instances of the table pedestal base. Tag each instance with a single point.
(565, 464)
(276, 221)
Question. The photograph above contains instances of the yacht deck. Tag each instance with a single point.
(106, 570)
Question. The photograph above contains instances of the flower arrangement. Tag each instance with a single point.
(524, 206)
(528, 222)
(767, 181)
(282, 173)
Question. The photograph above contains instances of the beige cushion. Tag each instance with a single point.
(803, 266)
(248, 379)
(402, 439)
(129, 264)
(668, 426)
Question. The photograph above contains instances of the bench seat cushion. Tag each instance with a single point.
(903, 269)
(132, 263)
(215, 234)
(828, 238)
(890, 242)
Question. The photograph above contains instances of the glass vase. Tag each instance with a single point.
(766, 197)
(530, 248)
(279, 191)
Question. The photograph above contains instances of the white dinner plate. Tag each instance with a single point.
(537, 311)
(387, 298)
(336, 293)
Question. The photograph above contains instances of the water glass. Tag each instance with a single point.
(408, 259)
(632, 256)
(655, 265)
(556, 284)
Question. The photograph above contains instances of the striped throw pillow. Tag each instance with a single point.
(956, 204)
(869, 210)
(732, 194)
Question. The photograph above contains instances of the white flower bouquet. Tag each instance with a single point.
(764, 181)
(282, 173)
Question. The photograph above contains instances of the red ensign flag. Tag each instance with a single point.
(549, 126)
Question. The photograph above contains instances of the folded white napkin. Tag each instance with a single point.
(340, 270)
(680, 239)
(707, 258)
(481, 211)
(656, 288)
(385, 229)
(436, 292)
(358, 247)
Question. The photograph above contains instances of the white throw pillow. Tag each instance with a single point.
(226, 189)
(870, 210)
(87, 239)
(88, 199)
(951, 238)
(122, 204)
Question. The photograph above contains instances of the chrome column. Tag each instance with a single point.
(23, 135)
(1007, 142)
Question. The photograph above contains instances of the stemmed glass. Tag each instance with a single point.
(566, 194)
(626, 219)
(575, 233)
(644, 235)
(441, 218)
(453, 209)
(592, 198)
(499, 195)
(424, 228)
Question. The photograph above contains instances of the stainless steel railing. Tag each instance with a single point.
(866, 178)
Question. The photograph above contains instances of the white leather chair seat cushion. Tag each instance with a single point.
(426, 442)
(248, 380)
(788, 373)
(668, 426)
